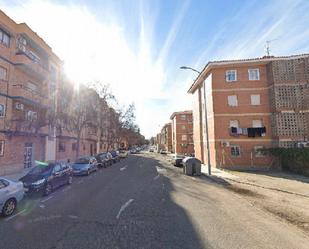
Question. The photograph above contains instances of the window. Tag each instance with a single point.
(4, 38)
(254, 74)
(61, 147)
(57, 168)
(31, 116)
(259, 151)
(3, 183)
(73, 146)
(255, 99)
(235, 151)
(184, 137)
(2, 110)
(1, 148)
(53, 74)
(34, 56)
(232, 100)
(257, 123)
(183, 117)
(3, 73)
(32, 87)
(234, 123)
(183, 127)
(231, 75)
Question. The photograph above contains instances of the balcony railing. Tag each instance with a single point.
(21, 90)
(31, 65)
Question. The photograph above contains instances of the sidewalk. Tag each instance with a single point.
(282, 194)
(276, 181)
(218, 173)
(16, 176)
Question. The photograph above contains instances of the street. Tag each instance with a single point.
(144, 202)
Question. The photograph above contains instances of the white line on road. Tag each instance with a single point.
(156, 177)
(123, 168)
(72, 216)
(48, 198)
(11, 217)
(42, 206)
(123, 207)
(160, 170)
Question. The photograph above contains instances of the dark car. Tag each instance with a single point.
(47, 177)
(104, 159)
(85, 165)
(177, 160)
(115, 155)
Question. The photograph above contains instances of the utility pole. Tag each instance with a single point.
(206, 120)
(267, 46)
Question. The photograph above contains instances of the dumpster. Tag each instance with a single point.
(191, 166)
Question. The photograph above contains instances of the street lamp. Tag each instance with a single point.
(206, 121)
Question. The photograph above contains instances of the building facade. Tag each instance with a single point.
(166, 137)
(32, 86)
(29, 75)
(182, 132)
(251, 105)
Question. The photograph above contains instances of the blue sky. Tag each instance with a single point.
(138, 46)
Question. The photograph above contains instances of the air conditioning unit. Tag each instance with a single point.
(22, 47)
(19, 106)
(225, 143)
(302, 145)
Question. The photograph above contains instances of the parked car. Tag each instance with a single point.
(133, 151)
(115, 155)
(11, 193)
(151, 150)
(101, 160)
(123, 154)
(85, 165)
(47, 177)
(110, 157)
(177, 160)
(163, 152)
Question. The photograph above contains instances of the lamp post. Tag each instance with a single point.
(206, 121)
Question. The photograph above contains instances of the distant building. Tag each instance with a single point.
(166, 137)
(182, 132)
(252, 104)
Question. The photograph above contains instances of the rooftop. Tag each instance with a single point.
(180, 112)
(264, 59)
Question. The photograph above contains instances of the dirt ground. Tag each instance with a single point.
(282, 194)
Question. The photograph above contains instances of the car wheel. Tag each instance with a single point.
(70, 180)
(48, 189)
(9, 207)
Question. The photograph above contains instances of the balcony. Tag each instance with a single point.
(22, 93)
(248, 132)
(24, 61)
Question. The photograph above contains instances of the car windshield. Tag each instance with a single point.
(82, 160)
(41, 169)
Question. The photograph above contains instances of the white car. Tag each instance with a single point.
(11, 193)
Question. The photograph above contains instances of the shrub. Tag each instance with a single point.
(292, 159)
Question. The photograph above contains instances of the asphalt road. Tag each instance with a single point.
(144, 202)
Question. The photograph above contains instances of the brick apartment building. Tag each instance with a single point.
(31, 84)
(182, 132)
(166, 137)
(29, 74)
(251, 104)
